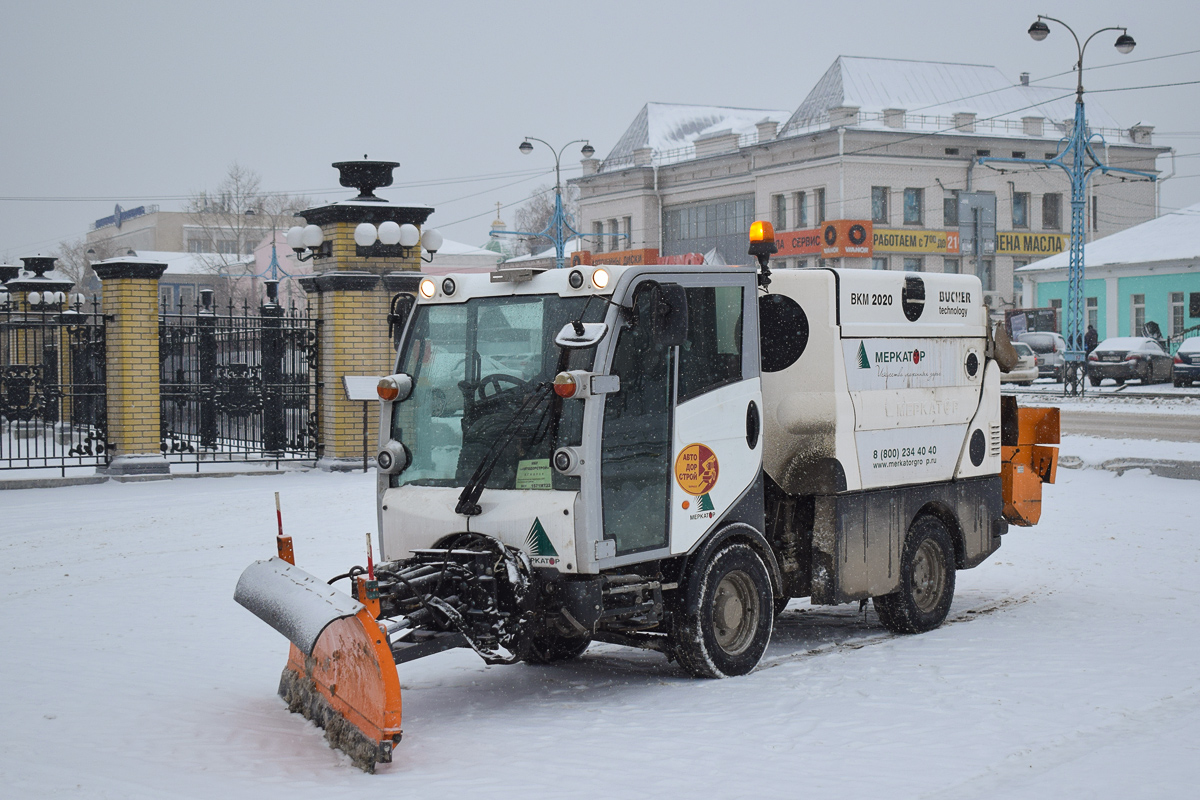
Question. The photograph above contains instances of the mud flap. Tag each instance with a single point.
(340, 672)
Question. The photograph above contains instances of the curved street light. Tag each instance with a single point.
(558, 226)
(1073, 158)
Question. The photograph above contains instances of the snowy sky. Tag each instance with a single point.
(150, 102)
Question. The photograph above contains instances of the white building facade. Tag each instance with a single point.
(884, 144)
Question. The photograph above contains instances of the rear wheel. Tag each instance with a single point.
(926, 581)
(726, 624)
(1094, 380)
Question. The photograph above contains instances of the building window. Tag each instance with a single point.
(914, 202)
(1018, 154)
(228, 247)
(983, 153)
(951, 151)
(987, 274)
(1137, 314)
(195, 246)
(1020, 210)
(879, 204)
(1052, 212)
(820, 205)
(1050, 156)
(166, 297)
(1056, 304)
(187, 296)
(627, 229)
(614, 241)
(779, 205)
(723, 224)
(1093, 312)
(912, 263)
(1177, 319)
(951, 265)
(801, 263)
(950, 210)
(1018, 281)
(598, 230)
(879, 262)
(801, 199)
(1095, 213)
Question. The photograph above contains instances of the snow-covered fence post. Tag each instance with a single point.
(130, 302)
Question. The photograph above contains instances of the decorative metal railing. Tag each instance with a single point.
(52, 385)
(238, 384)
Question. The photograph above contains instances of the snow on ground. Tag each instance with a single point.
(1068, 668)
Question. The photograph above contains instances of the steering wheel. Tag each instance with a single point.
(496, 380)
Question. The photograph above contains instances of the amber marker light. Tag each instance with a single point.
(600, 278)
(762, 232)
(564, 385)
(388, 389)
(428, 289)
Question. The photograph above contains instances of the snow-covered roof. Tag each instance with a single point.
(452, 248)
(1171, 237)
(190, 263)
(671, 129)
(569, 247)
(928, 90)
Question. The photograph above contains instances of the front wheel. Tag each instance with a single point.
(726, 624)
(926, 581)
(1094, 380)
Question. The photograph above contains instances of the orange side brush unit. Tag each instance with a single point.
(1026, 461)
(340, 671)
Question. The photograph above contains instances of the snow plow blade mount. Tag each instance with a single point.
(340, 671)
(1026, 462)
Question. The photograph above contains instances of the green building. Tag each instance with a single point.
(1147, 273)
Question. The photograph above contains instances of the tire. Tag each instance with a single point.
(726, 623)
(781, 604)
(548, 647)
(1120, 381)
(926, 580)
(1094, 380)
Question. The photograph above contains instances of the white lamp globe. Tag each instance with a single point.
(312, 236)
(389, 232)
(431, 240)
(409, 235)
(35, 298)
(295, 237)
(59, 297)
(365, 234)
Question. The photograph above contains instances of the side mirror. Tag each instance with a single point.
(402, 306)
(581, 335)
(666, 309)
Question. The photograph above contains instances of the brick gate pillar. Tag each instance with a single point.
(130, 302)
(351, 289)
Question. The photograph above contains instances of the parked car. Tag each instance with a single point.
(1051, 351)
(1026, 370)
(1124, 358)
(1187, 362)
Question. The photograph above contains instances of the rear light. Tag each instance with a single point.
(1093, 357)
(1132, 357)
(564, 385)
(1178, 360)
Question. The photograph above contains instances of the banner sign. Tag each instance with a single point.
(908, 241)
(798, 243)
(1031, 244)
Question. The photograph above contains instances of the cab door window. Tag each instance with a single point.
(711, 356)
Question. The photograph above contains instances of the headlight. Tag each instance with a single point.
(393, 458)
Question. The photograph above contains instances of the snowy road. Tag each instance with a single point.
(1068, 669)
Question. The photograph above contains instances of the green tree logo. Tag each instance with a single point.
(537, 542)
(706, 503)
(863, 361)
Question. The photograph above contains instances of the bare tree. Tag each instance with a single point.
(75, 258)
(536, 212)
(228, 223)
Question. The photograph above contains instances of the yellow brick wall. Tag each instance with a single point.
(354, 341)
(132, 365)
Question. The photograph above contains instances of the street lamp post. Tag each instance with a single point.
(557, 228)
(1073, 157)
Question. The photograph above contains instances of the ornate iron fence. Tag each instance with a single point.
(238, 385)
(52, 389)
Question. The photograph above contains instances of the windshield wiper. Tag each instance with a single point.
(468, 499)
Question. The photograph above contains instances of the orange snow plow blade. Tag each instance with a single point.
(1025, 462)
(340, 671)
(349, 687)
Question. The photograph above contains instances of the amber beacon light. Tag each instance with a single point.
(762, 247)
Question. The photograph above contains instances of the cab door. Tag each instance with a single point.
(682, 438)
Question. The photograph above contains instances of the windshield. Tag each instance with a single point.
(474, 365)
(1039, 342)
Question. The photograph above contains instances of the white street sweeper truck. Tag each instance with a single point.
(661, 457)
